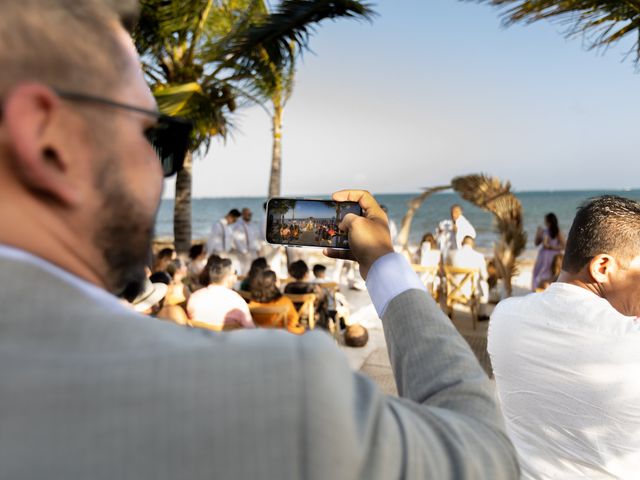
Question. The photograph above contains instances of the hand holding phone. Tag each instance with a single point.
(369, 235)
(300, 222)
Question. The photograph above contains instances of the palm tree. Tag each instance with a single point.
(202, 56)
(601, 22)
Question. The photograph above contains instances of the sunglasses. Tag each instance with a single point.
(170, 136)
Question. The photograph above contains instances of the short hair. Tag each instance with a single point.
(319, 268)
(160, 277)
(356, 336)
(220, 269)
(165, 254)
(298, 269)
(604, 225)
(174, 267)
(468, 240)
(264, 287)
(203, 278)
(67, 44)
(196, 250)
(456, 205)
(234, 212)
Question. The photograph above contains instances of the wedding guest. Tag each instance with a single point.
(553, 242)
(319, 273)
(257, 266)
(265, 292)
(451, 232)
(468, 257)
(196, 262)
(217, 304)
(179, 292)
(247, 240)
(163, 258)
(220, 239)
(566, 359)
(428, 253)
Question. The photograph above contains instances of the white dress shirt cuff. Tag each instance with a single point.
(388, 277)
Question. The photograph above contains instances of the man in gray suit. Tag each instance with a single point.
(90, 389)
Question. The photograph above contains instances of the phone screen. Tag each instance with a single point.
(308, 223)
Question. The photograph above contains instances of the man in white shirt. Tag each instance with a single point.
(566, 360)
(247, 240)
(468, 257)
(451, 232)
(220, 241)
(217, 304)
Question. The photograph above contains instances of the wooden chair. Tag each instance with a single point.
(333, 286)
(462, 288)
(270, 317)
(307, 302)
(429, 276)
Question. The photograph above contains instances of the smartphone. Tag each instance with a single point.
(301, 222)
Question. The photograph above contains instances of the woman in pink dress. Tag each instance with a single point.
(552, 242)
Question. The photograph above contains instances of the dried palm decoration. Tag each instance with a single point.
(413, 205)
(494, 196)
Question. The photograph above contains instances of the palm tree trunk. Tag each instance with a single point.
(276, 156)
(182, 207)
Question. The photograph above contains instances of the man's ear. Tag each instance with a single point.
(37, 133)
(601, 266)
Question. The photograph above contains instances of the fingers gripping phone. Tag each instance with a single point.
(300, 222)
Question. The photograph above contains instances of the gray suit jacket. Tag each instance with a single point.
(88, 393)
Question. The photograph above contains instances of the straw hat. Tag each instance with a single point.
(152, 294)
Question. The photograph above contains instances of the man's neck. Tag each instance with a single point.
(580, 280)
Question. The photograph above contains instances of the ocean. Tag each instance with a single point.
(535, 206)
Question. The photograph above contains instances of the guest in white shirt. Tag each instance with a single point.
(451, 232)
(247, 240)
(218, 305)
(220, 241)
(468, 257)
(567, 360)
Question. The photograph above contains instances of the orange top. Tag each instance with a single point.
(269, 320)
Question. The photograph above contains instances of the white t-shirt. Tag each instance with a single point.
(567, 368)
(217, 306)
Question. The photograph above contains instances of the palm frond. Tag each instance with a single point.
(601, 22)
(278, 37)
(495, 196)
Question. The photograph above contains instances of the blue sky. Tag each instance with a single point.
(434, 89)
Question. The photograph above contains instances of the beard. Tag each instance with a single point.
(123, 236)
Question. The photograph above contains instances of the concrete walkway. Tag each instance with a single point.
(373, 360)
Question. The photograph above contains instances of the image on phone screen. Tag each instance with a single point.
(308, 223)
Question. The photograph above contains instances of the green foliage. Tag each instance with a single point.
(602, 22)
(202, 56)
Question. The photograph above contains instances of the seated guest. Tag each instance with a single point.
(178, 293)
(195, 264)
(203, 278)
(428, 252)
(301, 285)
(148, 301)
(468, 257)
(566, 359)
(217, 304)
(299, 271)
(163, 258)
(319, 273)
(265, 293)
(257, 266)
